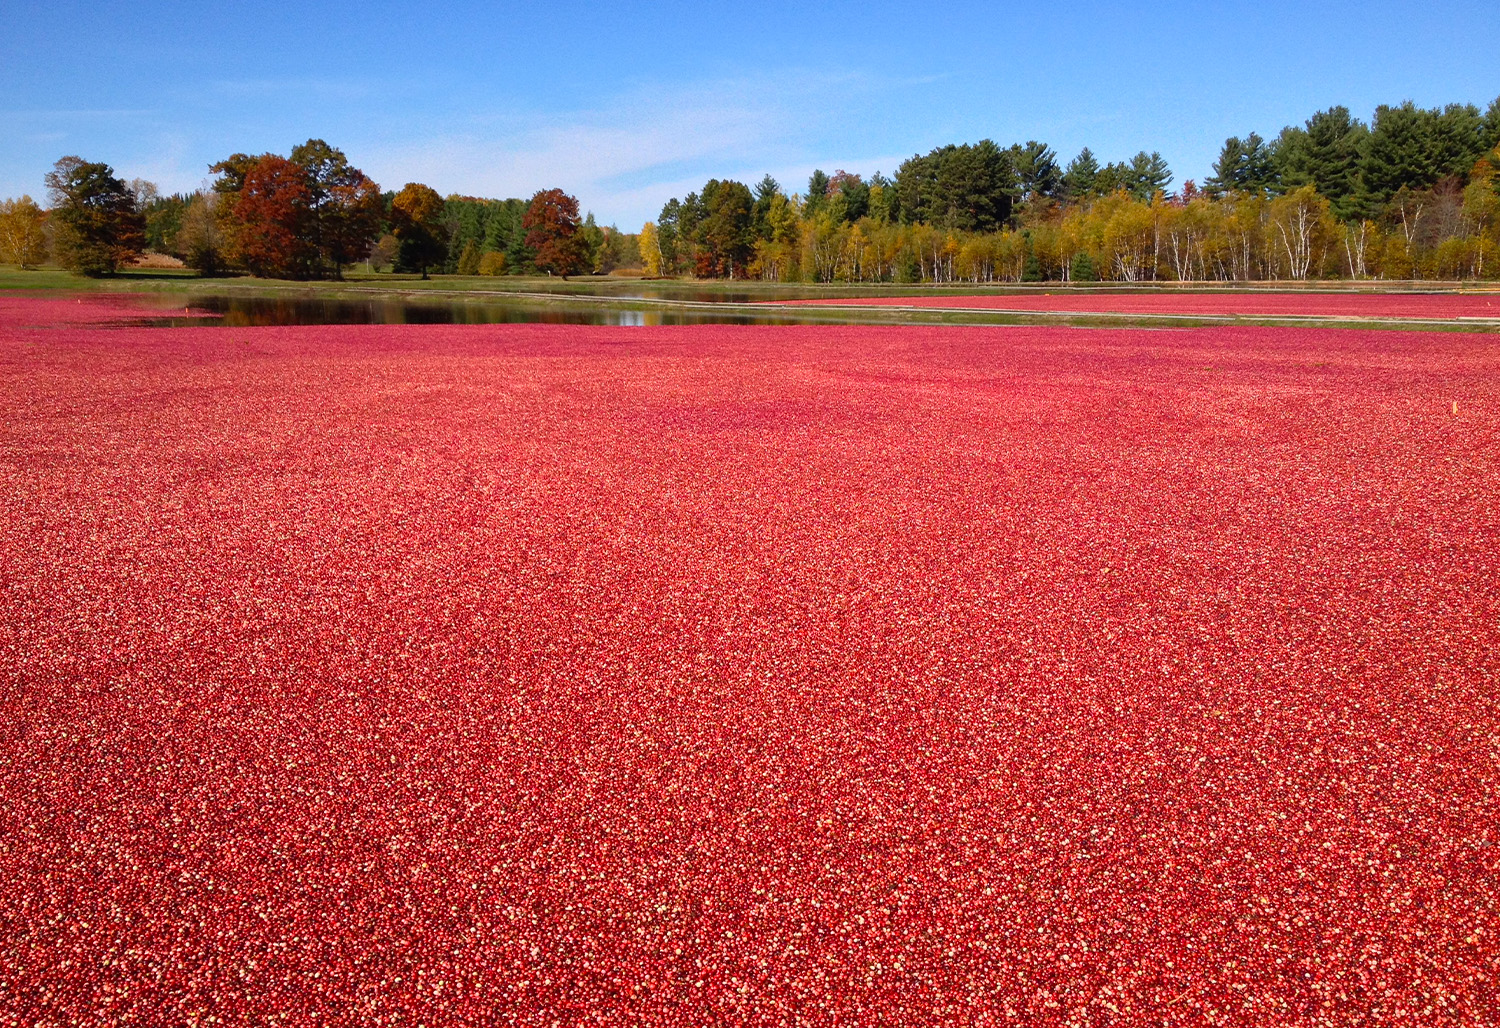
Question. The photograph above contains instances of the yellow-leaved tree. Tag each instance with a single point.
(23, 239)
(650, 245)
(1302, 224)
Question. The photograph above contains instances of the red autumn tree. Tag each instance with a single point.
(551, 227)
(272, 220)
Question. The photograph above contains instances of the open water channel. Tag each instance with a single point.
(574, 303)
(262, 310)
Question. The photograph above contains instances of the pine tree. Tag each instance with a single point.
(1081, 177)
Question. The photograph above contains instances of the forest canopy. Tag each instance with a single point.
(1412, 193)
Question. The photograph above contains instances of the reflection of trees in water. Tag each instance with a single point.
(262, 311)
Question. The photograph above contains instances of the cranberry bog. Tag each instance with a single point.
(1448, 306)
(551, 675)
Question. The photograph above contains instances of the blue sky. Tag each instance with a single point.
(627, 105)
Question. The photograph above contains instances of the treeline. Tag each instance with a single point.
(1413, 194)
(307, 215)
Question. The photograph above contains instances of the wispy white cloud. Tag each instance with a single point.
(624, 157)
(172, 163)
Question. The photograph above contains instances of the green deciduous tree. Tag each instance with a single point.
(725, 235)
(163, 215)
(344, 208)
(200, 241)
(306, 216)
(97, 226)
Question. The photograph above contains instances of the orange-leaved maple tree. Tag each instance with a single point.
(272, 216)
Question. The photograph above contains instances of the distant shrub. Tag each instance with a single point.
(492, 263)
(468, 261)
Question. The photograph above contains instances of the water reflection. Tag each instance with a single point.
(272, 311)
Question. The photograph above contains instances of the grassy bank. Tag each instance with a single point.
(374, 284)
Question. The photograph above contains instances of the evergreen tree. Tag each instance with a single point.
(466, 220)
(667, 234)
(1413, 147)
(1037, 173)
(1080, 179)
(1244, 166)
(966, 188)
(503, 234)
(848, 197)
(1148, 175)
(766, 191)
(817, 193)
(1112, 177)
(1289, 159)
(1031, 268)
(1326, 155)
(520, 259)
(1490, 130)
